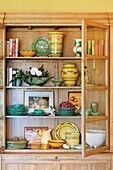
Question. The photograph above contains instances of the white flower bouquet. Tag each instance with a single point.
(36, 72)
(35, 76)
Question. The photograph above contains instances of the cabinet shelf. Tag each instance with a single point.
(59, 87)
(43, 58)
(37, 87)
(89, 118)
(96, 57)
(43, 151)
(96, 87)
(47, 117)
(96, 118)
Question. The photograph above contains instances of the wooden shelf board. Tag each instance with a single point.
(43, 151)
(96, 87)
(44, 87)
(88, 56)
(89, 118)
(59, 87)
(43, 58)
(96, 118)
(45, 117)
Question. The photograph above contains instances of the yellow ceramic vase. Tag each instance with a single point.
(69, 74)
(56, 39)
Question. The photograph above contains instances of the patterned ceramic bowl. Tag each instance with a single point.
(27, 53)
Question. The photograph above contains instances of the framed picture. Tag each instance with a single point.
(75, 99)
(39, 100)
(33, 134)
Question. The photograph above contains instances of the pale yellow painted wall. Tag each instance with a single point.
(56, 5)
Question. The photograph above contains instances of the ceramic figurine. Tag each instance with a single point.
(52, 111)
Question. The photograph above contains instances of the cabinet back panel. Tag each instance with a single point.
(15, 126)
(26, 37)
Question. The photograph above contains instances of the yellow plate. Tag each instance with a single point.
(64, 127)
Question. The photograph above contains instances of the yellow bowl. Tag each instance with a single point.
(56, 143)
(27, 53)
(45, 146)
(35, 145)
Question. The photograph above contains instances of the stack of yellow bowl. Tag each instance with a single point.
(56, 40)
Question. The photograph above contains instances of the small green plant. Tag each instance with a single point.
(19, 75)
(33, 72)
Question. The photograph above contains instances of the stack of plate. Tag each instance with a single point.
(16, 109)
(66, 111)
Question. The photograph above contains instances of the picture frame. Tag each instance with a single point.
(33, 134)
(38, 100)
(75, 99)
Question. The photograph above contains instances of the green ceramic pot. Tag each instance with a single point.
(16, 143)
(36, 81)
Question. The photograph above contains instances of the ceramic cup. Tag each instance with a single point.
(72, 138)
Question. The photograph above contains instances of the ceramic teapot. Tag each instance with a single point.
(45, 136)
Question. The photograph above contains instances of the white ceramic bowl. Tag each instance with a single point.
(95, 138)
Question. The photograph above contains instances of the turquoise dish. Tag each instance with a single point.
(17, 105)
(34, 114)
(57, 82)
(38, 112)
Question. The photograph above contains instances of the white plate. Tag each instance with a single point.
(79, 146)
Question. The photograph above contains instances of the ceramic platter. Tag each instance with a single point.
(64, 127)
(41, 45)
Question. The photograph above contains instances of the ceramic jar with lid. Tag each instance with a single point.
(69, 74)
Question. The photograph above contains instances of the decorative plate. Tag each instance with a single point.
(64, 127)
(41, 45)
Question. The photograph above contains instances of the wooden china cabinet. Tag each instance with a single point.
(85, 26)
